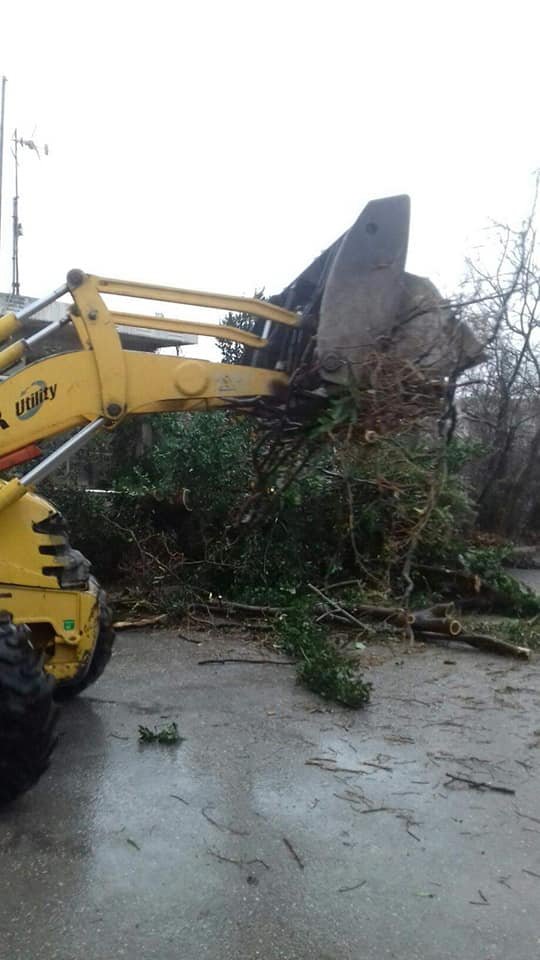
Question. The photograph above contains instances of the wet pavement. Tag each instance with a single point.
(282, 827)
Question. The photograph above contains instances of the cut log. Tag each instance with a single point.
(494, 645)
(490, 644)
(445, 625)
(397, 615)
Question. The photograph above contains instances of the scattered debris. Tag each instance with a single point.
(351, 796)
(184, 636)
(409, 822)
(293, 852)
(378, 766)
(238, 863)
(527, 816)
(355, 887)
(223, 826)
(276, 663)
(398, 738)
(328, 763)
(167, 735)
(480, 784)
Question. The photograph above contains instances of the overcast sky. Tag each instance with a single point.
(222, 145)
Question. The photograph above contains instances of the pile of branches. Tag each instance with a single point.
(437, 624)
(389, 396)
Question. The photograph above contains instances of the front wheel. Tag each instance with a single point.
(67, 689)
(27, 712)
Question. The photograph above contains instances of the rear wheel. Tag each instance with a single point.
(27, 712)
(67, 689)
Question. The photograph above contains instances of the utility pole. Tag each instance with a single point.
(2, 115)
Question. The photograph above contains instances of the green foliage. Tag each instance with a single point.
(101, 526)
(166, 735)
(487, 562)
(349, 512)
(209, 455)
(234, 352)
(461, 451)
(510, 595)
(521, 632)
(322, 668)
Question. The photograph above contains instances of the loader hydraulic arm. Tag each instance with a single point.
(100, 384)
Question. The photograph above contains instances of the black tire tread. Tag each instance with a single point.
(27, 712)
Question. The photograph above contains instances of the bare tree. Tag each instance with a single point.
(501, 400)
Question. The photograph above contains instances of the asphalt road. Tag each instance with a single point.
(282, 827)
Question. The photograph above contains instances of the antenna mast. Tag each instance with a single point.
(17, 228)
(2, 114)
(15, 286)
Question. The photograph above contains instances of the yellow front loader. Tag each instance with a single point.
(56, 633)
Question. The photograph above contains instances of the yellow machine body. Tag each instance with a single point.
(63, 621)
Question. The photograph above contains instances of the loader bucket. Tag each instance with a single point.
(363, 289)
(358, 300)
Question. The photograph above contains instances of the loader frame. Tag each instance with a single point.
(99, 385)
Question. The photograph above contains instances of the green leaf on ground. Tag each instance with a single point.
(168, 734)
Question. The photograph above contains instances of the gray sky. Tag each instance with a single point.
(222, 145)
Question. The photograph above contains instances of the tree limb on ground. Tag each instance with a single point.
(222, 606)
(494, 645)
(481, 642)
(143, 622)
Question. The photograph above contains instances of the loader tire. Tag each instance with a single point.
(67, 689)
(27, 712)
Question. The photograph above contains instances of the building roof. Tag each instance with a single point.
(133, 338)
